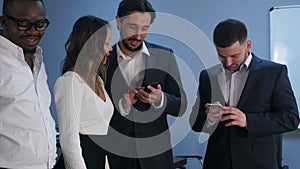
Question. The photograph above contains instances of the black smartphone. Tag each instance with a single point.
(155, 84)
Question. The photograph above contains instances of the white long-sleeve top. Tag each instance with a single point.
(79, 110)
(27, 129)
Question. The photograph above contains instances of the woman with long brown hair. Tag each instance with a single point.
(84, 109)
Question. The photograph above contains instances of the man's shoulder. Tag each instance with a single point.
(154, 45)
(70, 76)
(212, 69)
(267, 63)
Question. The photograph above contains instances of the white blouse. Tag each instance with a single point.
(79, 110)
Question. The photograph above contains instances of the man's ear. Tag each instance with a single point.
(248, 45)
(3, 22)
(118, 22)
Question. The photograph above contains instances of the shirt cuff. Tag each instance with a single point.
(209, 123)
(160, 105)
(123, 112)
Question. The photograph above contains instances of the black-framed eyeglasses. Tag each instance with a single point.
(24, 24)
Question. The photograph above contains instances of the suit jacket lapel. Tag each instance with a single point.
(112, 60)
(252, 79)
(114, 75)
(150, 63)
(216, 92)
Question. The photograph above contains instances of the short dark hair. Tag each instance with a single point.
(8, 3)
(126, 7)
(228, 32)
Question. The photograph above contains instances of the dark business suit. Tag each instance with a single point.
(270, 107)
(144, 121)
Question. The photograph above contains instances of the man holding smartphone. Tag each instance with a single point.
(139, 136)
(259, 104)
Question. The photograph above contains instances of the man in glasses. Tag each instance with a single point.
(27, 130)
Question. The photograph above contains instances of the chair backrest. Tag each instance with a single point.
(278, 139)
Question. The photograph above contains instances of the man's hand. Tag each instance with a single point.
(130, 98)
(153, 97)
(235, 116)
(213, 114)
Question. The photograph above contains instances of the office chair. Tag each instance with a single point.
(181, 161)
(59, 159)
(278, 139)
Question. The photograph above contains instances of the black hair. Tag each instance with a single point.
(8, 3)
(126, 7)
(228, 32)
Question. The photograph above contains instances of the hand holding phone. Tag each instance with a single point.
(154, 85)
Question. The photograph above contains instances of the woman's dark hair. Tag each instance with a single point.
(85, 42)
(228, 32)
(126, 7)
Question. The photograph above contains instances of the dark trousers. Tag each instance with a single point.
(161, 161)
(93, 154)
(118, 162)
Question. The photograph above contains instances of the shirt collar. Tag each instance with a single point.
(248, 61)
(245, 65)
(144, 50)
(16, 50)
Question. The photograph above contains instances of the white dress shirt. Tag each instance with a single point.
(133, 67)
(133, 70)
(79, 110)
(232, 82)
(27, 129)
